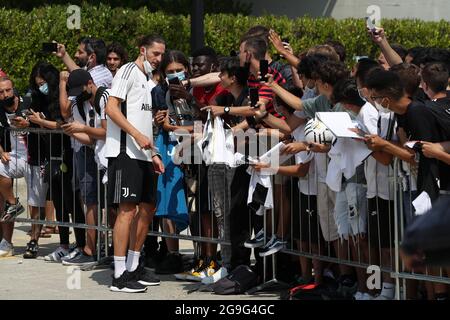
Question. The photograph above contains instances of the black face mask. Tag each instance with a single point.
(8, 102)
(84, 96)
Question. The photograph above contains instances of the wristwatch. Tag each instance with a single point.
(226, 110)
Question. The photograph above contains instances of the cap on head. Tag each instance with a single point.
(77, 80)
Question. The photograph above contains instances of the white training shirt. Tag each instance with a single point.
(368, 117)
(89, 111)
(100, 157)
(132, 87)
(308, 184)
(378, 176)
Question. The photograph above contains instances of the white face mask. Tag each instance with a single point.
(148, 69)
(360, 92)
(88, 62)
(381, 109)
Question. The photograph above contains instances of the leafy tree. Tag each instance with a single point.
(168, 6)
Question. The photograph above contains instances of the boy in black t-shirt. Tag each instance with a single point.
(419, 123)
(434, 83)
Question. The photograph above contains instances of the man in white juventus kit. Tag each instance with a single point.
(132, 163)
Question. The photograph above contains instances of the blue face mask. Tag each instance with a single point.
(44, 89)
(180, 75)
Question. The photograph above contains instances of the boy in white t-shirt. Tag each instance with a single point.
(380, 192)
(351, 203)
(306, 228)
(89, 131)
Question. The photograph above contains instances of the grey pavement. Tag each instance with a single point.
(37, 279)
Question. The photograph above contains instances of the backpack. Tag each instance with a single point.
(241, 279)
(98, 96)
(325, 291)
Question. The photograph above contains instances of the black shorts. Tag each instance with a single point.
(306, 226)
(381, 223)
(130, 180)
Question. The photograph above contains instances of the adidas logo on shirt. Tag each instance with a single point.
(146, 107)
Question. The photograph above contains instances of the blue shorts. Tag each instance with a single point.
(86, 175)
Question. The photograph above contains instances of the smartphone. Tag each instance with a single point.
(160, 108)
(60, 122)
(11, 116)
(27, 113)
(357, 58)
(175, 81)
(418, 147)
(263, 69)
(49, 47)
(254, 97)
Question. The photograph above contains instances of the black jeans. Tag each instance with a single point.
(65, 199)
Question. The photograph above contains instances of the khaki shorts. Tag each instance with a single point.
(326, 200)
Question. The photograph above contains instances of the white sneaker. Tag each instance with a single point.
(184, 275)
(6, 249)
(221, 273)
(56, 255)
(72, 254)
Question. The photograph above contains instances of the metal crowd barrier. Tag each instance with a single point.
(274, 217)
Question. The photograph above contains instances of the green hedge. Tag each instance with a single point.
(23, 32)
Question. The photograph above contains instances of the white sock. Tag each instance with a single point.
(133, 260)
(388, 290)
(119, 266)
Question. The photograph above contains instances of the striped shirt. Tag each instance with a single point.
(101, 76)
(265, 92)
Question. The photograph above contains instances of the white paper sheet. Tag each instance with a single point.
(422, 203)
(274, 157)
(338, 123)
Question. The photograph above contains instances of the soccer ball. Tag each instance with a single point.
(316, 131)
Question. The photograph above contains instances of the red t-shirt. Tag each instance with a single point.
(265, 92)
(207, 98)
